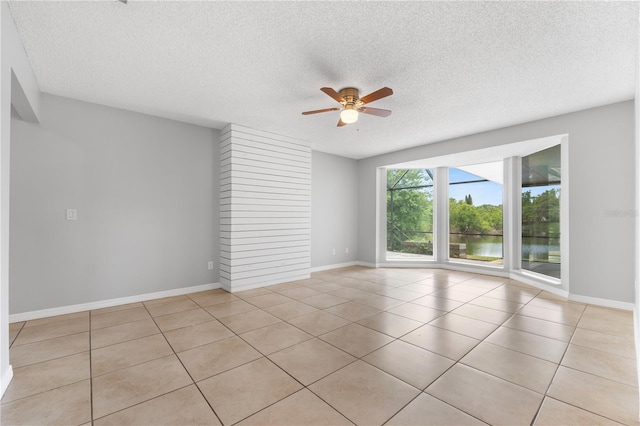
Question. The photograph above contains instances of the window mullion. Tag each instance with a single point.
(512, 207)
(441, 215)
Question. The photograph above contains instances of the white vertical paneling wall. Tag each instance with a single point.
(265, 209)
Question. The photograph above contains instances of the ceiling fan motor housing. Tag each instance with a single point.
(351, 104)
(350, 95)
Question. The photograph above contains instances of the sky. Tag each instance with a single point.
(483, 192)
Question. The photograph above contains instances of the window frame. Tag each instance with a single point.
(510, 154)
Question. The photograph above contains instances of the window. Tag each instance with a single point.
(409, 214)
(541, 212)
(499, 209)
(475, 213)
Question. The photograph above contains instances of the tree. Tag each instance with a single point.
(468, 199)
(546, 206)
(464, 217)
(541, 213)
(527, 208)
(409, 206)
(491, 218)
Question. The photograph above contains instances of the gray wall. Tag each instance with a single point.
(19, 89)
(146, 191)
(637, 212)
(334, 209)
(601, 175)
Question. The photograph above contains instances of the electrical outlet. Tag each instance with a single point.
(333, 251)
(210, 264)
(72, 214)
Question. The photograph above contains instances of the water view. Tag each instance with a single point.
(533, 248)
(539, 254)
(475, 213)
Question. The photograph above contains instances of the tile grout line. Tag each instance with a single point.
(134, 365)
(599, 331)
(321, 378)
(90, 370)
(272, 362)
(546, 392)
(421, 391)
(394, 339)
(424, 390)
(140, 403)
(578, 408)
(600, 377)
(327, 402)
(598, 349)
(44, 391)
(17, 334)
(265, 356)
(360, 358)
(180, 360)
(377, 368)
(458, 361)
(174, 353)
(52, 359)
(338, 348)
(44, 340)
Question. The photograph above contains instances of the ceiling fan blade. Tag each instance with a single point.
(320, 110)
(375, 111)
(341, 123)
(335, 95)
(378, 94)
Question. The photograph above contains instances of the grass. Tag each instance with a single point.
(483, 258)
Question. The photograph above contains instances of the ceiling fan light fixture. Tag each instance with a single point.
(351, 104)
(349, 115)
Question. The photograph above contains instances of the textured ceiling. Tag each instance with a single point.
(456, 68)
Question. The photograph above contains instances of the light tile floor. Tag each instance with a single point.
(351, 346)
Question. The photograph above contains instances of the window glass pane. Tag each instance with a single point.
(461, 177)
(541, 212)
(409, 214)
(475, 213)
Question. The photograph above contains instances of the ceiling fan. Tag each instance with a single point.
(352, 104)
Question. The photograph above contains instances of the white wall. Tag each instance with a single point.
(265, 201)
(19, 87)
(601, 172)
(334, 217)
(145, 189)
(637, 212)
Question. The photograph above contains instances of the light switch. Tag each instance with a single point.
(72, 214)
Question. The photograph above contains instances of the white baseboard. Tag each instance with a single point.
(626, 306)
(484, 270)
(366, 264)
(399, 265)
(636, 335)
(62, 310)
(6, 379)
(334, 266)
(265, 283)
(493, 271)
(551, 288)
